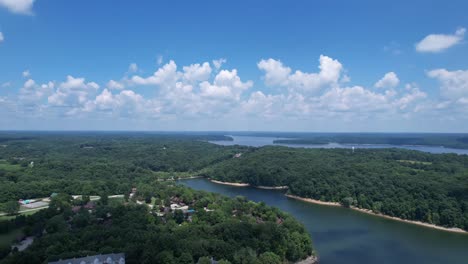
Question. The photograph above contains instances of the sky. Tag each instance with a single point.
(316, 66)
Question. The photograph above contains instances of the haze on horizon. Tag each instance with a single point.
(210, 66)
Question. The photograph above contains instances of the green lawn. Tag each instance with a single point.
(116, 200)
(8, 238)
(8, 217)
(4, 165)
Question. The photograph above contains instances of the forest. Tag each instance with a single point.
(229, 230)
(412, 185)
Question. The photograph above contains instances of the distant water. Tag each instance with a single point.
(263, 141)
(342, 235)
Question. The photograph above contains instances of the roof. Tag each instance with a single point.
(96, 259)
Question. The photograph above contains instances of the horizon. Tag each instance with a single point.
(226, 132)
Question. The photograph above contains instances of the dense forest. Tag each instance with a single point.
(407, 184)
(446, 140)
(229, 230)
(94, 163)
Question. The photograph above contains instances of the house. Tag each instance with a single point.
(96, 259)
(238, 155)
(179, 207)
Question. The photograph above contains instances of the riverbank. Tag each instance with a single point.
(309, 200)
(366, 211)
(272, 187)
(231, 183)
(309, 260)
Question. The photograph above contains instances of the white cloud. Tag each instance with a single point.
(227, 84)
(439, 42)
(33, 94)
(18, 6)
(454, 84)
(389, 80)
(6, 84)
(197, 72)
(115, 85)
(166, 74)
(133, 67)
(26, 74)
(218, 63)
(195, 93)
(2, 38)
(73, 92)
(126, 103)
(276, 74)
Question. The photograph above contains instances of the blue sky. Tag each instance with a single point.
(244, 65)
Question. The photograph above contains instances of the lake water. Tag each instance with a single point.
(255, 141)
(342, 235)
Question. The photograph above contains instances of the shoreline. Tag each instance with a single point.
(309, 260)
(367, 211)
(231, 183)
(272, 187)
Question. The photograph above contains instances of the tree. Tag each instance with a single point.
(269, 258)
(104, 199)
(85, 199)
(204, 260)
(179, 216)
(185, 258)
(347, 202)
(12, 207)
(245, 256)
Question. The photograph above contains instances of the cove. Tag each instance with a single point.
(341, 235)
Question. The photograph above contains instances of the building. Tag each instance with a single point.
(97, 259)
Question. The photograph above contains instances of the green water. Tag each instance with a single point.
(342, 235)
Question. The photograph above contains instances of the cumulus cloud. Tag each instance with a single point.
(115, 85)
(194, 92)
(227, 84)
(73, 92)
(389, 80)
(276, 74)
(166, 74)
(454, 84)
(439, 42)
(2, 38)
(197, 72)
(33, 94)
(18, 6)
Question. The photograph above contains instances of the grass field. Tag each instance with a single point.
(4, 165)
(8, 217)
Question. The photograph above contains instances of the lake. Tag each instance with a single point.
(258, 141)
(342, 235)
